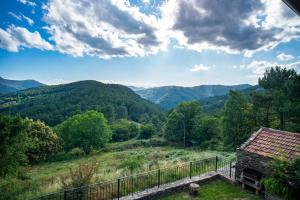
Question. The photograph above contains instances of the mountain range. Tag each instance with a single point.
(8, 86)
(168, 97)
(53, 104)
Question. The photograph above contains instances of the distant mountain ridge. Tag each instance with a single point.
(169, 96)
(53, 104)
(8, 86)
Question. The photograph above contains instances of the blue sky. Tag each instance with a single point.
(146, 42)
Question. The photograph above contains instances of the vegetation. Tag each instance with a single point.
(54, 104)
(169, 97)
(216, 190)
(13, 144)
(87, 131)
(44, 142)
(284, 178)
(123, 130)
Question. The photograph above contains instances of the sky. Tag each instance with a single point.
(147, 43)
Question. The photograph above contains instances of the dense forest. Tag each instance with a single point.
(53, 123)
(54, 104)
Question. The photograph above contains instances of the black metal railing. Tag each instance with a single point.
(130, 185)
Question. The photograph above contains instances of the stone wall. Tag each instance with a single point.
(250, 161)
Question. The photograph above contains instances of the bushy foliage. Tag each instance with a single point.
(206, 132)
(44, 143)
(147, 131)
(80, 176)
(283, 178)
(12, 188)
(75, 153)
(13, 144)
(87, 131)
(237, 120)
(180, 122)
(123, 130)
(131, 163)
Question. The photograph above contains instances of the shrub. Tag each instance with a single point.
(80, 176)
(11, 188)
(44, 142)
(87, 131)
(123, 130)
(284, 178)
(13, 144)
(76, 152)
(131, 163)
(147, 131)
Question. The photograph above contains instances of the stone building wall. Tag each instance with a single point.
(251, 161)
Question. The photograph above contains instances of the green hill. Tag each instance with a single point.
(53, 104)
(8, 86)
(169, 96)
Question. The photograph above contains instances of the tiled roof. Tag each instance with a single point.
(273, 143)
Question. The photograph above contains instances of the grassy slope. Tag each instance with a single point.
(47, 175)
(217, 190)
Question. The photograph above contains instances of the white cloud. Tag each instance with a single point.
(285, 57)
(103, 28)
(14, 38)
(8, 42)
(200, 67)
(237, 27)
(259, 67)
(27, 2)
(29, 21)
(21, 17)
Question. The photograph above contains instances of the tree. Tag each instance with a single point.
(44, 142)
(180, 122)
(123, 130)
(206, 132)
(13, 144)
(122, 112)
(275, 80)
(237, 121)
(87, 131)
(262, 108)
(147, 131)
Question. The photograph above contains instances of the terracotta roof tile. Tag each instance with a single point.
(270, 142)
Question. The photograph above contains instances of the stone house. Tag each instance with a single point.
(261, 147)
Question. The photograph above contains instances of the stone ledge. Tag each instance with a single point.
(174, 187)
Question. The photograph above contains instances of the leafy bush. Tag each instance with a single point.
(76, 152)
(131, 163)
(147, 131)
(80, 176)
(284, 178)
(13, 144)
(123, 130)
(44, 143)
(87, 131)
(11, 188)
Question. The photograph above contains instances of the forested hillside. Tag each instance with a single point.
(53, 104)
(170, 96)
(7, 86)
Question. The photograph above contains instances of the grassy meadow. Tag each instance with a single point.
(112, 164)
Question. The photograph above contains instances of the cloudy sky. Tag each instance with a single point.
(146, 42)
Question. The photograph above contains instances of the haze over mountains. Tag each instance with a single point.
(53, 104)
(169, 96)
(7, 86)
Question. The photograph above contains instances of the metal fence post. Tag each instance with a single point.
(158, 178)
(216, 164)
(65, 195)
(230, 169)
(190, 170)
(118, 188)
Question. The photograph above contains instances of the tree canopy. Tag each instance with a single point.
(88, 131)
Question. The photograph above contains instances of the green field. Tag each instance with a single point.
(47, 176)
(216, 190)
